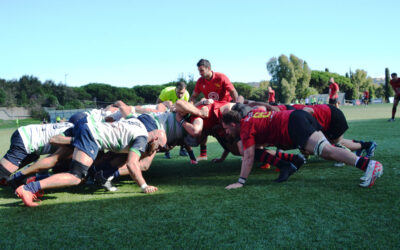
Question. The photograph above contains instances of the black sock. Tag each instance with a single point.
(362, 163)
(191, 155)
(203, 150)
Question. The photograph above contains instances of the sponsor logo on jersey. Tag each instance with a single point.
(214, 96)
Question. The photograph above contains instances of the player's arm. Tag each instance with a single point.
(61, 140)
(309, 110)
(133, 165)
(194, 96)
(234, 94)
(264, 104)
(194, 129)
(247, 165)
(145, 162)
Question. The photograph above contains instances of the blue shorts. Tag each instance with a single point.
(17, 154)
(84, 140)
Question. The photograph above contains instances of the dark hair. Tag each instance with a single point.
(205, 63)
(231, 116)
(181, 85)
(394, 74)
(243, 109)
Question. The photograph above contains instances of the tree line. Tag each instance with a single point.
(290, 77)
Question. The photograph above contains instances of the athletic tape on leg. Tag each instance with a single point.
(78, 169)
(319, 147)
(4, 173)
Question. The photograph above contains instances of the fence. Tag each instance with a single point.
(14, 113)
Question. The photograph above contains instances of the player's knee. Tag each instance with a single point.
(319, 147)
(4, 173)
(78, 169)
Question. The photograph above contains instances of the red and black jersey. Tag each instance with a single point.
(322, 113)
(266, 127)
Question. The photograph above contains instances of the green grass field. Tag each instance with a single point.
(321, 206)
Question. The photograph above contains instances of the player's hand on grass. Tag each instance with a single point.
(150, 189)
(234, 185)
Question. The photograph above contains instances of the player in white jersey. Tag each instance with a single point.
(28, 143)
(129, 135)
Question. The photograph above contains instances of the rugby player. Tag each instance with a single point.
(289, 130)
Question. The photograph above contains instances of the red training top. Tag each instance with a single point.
(334, 87)
(217, 88)
(266, 127)
(396, 86)
(366, 94)
(271, 96)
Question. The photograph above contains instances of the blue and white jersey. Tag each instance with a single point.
(98, 114)
(117, 136)
(36, 137)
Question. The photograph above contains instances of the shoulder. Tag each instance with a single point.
(168, 89)
(220, 76)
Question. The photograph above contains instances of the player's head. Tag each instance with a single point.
(204, 67)
(231, 123)
(331, 80)
(394, 75)
(180, 89)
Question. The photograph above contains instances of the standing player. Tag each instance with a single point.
(289, 130)
(395, 82)
(271, 96)
(333, 92)
(213, 85)
(173, 94)
(366, 97)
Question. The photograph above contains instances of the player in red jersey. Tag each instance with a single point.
(289, 130)
(366, 97)
(271, 96)
(213, 85)
(395, 82)
(333, 92)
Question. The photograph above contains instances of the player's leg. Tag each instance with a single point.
(203, 148)
(394, 108)
(61, 153)
(318, 144)
(359, 146)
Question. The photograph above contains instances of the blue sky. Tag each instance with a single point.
(127, 43)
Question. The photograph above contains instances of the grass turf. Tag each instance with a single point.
(321, 206)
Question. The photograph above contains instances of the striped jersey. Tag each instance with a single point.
(36, 137)
(116, 136)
